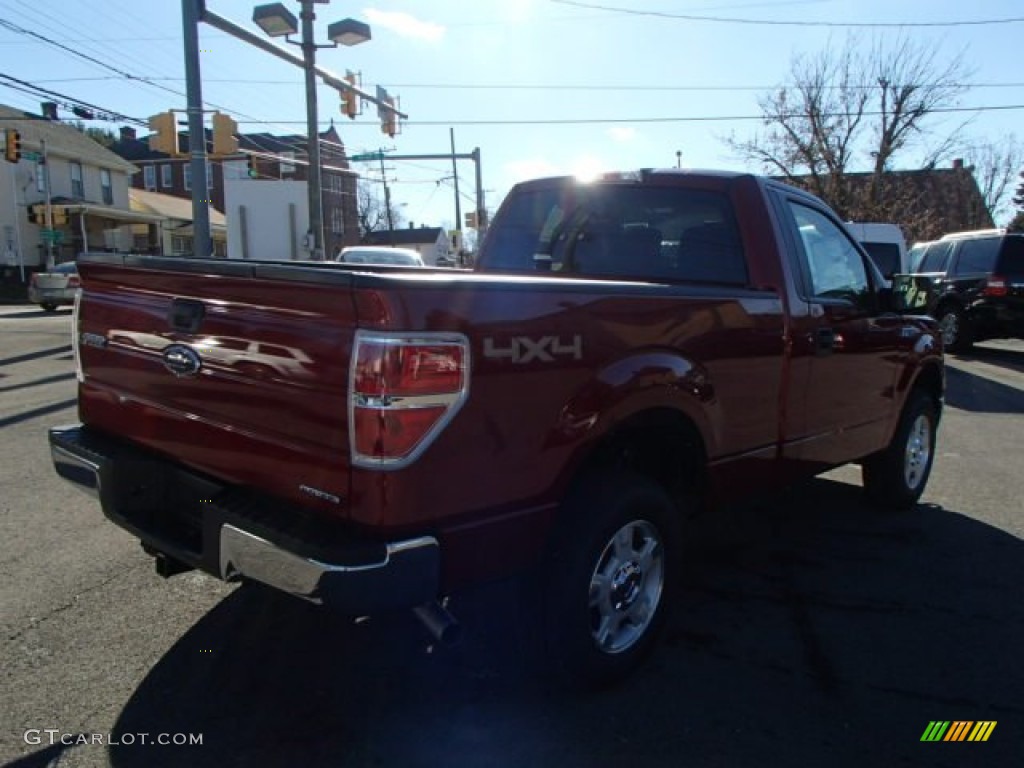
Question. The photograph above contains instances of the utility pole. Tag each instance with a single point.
(190, 13)
(313, 187)
(49, 208)
(387, 200)
(474, 156)
(455, 176)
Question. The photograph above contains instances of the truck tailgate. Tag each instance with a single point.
(238, 370)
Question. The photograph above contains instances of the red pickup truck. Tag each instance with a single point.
(626, 353)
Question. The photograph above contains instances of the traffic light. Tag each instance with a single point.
(37, 214)
(58, 216)
(471, 220)
(389, 119)
(250, 166)
(165, 133)
(225, 140)
(12, 146)
(349, 98)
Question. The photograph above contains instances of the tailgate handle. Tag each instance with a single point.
(186, 315)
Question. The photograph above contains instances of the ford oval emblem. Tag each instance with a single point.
(182, 360)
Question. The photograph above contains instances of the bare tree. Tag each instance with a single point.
(995, 165)
(853, 108)
(372, 212)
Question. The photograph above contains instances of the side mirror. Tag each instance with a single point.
(908, 293)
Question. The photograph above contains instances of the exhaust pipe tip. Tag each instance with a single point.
(441, 625)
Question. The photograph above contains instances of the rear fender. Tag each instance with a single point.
(632, 385)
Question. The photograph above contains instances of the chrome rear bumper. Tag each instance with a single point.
(206, 525)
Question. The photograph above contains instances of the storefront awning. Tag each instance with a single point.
(117, 214)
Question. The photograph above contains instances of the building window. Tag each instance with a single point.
(108, 190)
(77, 187)
(337, 223)
(181, 244)
(188, 176)
(166, 175)
(209, 177)
(149, 177)
(42, 177)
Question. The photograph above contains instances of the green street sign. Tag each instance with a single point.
(51, 235)
(35, 157)
(367, 156)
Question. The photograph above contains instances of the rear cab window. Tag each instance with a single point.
(664, 234)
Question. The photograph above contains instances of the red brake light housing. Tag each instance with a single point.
(404, 389)
(995, 286)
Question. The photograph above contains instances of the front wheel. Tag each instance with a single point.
(896, 477)
(47, 307)
(607, 579)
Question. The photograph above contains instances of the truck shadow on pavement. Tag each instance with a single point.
(809, 626)
(978, 394)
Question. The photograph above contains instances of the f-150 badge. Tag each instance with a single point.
(524, 349)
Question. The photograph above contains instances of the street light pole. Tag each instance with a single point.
(314, 183)
(191, 10)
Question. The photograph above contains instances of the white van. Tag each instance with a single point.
(884, 244)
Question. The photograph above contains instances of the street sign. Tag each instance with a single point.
(51, 235)
(367, 156)
(35, 157)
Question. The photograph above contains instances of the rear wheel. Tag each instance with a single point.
(896, 477)
(955, 328)
(607, 580)
(49, 307)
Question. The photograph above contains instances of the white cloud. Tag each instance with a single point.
(622, 133)
(405, 25)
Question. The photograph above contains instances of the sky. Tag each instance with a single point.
(540, 87)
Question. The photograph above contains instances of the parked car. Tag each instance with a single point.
(55, 287)
(379, 254)
(972, 283)
(885, 245)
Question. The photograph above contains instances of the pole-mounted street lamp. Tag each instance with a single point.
(277, 21)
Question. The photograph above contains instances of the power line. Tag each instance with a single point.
(69, 102)
(531, 86)
(615, 120)
(779, 23)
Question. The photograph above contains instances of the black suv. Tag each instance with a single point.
(972, 283)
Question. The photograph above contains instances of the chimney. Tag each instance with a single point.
(49, 110)
(127, 133)
(958, 164)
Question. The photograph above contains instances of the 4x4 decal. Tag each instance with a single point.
(524, 349)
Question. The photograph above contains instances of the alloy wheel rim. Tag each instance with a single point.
(950, 327)
(626, 587)
(919, 449)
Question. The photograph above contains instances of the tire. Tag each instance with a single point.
(607, 580)
(896, 477)
(49, 307)
(955, 328)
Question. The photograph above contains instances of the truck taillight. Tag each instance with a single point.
(995, 286)
(404, 389)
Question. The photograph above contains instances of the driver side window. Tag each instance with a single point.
(834, 265)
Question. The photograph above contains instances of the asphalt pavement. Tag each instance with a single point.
(811, 630)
